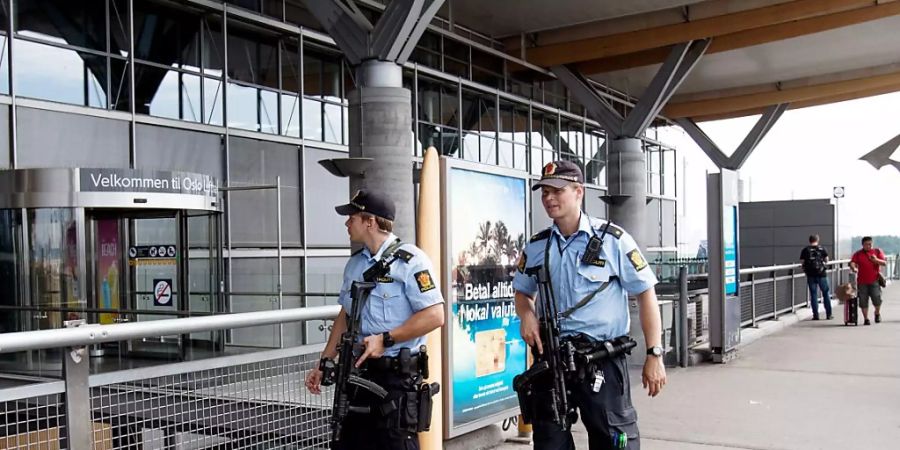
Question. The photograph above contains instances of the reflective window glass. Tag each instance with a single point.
(312, 119)
(79, 23)
(170, 37)
(252, 57)
(59, 74)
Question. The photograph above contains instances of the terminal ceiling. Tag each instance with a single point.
(762, 52)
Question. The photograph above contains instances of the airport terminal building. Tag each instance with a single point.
(192, 131)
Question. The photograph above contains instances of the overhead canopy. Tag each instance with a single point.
(762, 52)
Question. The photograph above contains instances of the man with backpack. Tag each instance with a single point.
(813, 258)
(866, 264)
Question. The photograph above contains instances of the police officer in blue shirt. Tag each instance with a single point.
(405, 305)
(592, 299)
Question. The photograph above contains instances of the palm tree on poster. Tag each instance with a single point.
(484, 237)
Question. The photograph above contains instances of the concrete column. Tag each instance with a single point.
(381, 128)
(628, 187)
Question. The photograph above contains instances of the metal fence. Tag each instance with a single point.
(766, 293)
(251, 400)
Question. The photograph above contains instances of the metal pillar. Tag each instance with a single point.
(628, 187)
(381, 129)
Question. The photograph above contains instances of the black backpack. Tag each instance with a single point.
(815, 262)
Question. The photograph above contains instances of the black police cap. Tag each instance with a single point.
(369, 202)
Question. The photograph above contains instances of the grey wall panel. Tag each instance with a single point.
(756, 237)
(4, 138)
(254, 213)
(324, 191)
(55, 139)
(173, 149)
(774, 232)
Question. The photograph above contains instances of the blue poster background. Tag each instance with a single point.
(730, 238)
(475, 397)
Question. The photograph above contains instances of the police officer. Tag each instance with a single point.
(612, 274)
(405, 305)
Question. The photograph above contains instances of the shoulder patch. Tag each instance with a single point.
(540, 236)
(404, 255)
(523, 258)
(637, 259)
(423, 279)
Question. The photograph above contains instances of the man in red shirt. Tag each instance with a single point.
(866, 263)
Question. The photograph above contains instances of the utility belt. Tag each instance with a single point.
(403, 364)
(408, 405)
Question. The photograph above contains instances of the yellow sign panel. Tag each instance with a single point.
(151, 262)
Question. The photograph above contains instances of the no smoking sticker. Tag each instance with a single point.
(162, 292)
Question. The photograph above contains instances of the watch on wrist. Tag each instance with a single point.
(655, 351)
(387, 340)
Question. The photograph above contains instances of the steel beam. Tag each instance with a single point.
(881, 155)
(597, 107)
(428, 13)
(703, 141)
(345, 24)
(682, 59)
(763, 125)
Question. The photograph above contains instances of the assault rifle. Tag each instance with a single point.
(344, 374)
(549, 367)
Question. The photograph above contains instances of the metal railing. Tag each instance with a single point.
(766, 293)
(250, 400)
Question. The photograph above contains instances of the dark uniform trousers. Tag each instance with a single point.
(394, 430)
(607, 414)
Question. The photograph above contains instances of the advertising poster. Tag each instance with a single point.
(730, 247)
(486, 232)
(107, 268)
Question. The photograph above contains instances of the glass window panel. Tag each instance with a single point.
(166, 36)
(312, 119)
(331, 80)
(213, 46)
(669, 171)
(118, 27)
(242, 103)
(252, 58)
(178, 94)
(268, 111)
(290, 67)
(290, 115)
(520, 155)
(119, 90)
(53, 261)
(488, 150)
(333, 123)
(470, 147)
(57, 74)
(4, 66)
(323, 276)
(212, 101)
(505, 151)
(80, 23)
(537, 163)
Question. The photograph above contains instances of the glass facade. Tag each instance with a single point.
(234, 96)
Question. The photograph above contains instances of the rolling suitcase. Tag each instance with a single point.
(851, 311)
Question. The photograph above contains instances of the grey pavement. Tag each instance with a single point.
(813, 385)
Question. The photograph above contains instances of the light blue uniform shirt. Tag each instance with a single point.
(606, 315)
(411, 289)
